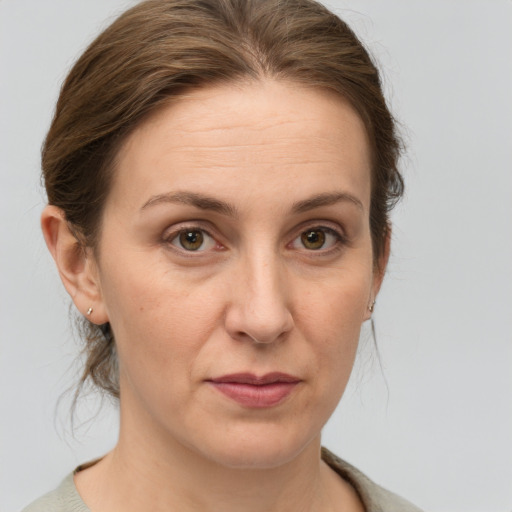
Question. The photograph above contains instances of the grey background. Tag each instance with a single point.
(434, 420)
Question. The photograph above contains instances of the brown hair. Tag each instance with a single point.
(158, 49)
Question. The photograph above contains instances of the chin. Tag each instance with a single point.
(258, 451)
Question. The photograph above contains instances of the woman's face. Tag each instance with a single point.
(235, 267)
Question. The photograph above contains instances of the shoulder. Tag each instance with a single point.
(374, 497)
(63, 499)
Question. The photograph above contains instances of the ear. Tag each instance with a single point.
(379, 272)
(75, 263)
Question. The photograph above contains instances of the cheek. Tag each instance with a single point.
(331, 319)
(337, 306)
(160, 325)
(338, 344)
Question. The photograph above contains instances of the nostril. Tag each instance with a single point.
(260, 307)
(261, 331)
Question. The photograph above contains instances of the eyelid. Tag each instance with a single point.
(172, 233)
(326, 226)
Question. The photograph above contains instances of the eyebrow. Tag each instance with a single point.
(327, 199)
(204, 202)
(200, 201)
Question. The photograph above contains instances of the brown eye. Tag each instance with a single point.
(319, 238)
(313, 239)
(191, 240)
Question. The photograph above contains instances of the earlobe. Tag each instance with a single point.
(75, 263)
(379, 272)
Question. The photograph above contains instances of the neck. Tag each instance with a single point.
(155, 472)
(183, 481)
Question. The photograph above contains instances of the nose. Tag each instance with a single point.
(259, 308)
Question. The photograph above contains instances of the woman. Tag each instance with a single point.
(219, 177)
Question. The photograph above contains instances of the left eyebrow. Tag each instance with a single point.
(200, 201)
(327, 199)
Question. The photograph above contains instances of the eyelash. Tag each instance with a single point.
(174, 235)
(339, 242)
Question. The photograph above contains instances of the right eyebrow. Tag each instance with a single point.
(201, 201)
(326, 200)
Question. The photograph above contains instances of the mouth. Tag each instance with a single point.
(254, 391)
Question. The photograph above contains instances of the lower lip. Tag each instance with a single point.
(259, 397)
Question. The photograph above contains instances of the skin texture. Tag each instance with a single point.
(255, 297)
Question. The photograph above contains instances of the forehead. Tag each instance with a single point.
(242, 135)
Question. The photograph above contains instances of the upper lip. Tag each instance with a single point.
(255, 380)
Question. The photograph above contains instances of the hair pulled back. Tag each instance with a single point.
(160, 48)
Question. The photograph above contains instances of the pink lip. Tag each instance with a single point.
(253, 391)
